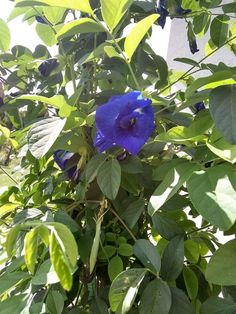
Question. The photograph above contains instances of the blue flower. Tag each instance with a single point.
(126, 121)
(192, 38)
(39, 19)
(174, 9)
(199, 106)
(193, 46)
(161, 9)
(47, 66)
(67, 162)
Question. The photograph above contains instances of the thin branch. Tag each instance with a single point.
(9, 176)
(124, 224)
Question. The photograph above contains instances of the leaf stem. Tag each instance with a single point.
(124, 224)
(9, 176)
(199, 229)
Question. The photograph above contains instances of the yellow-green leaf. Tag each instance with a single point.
(31, 242)
(81, 5)
(137, 33)
(83, 25)
(113, 11)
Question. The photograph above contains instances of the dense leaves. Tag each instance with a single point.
(115, 179)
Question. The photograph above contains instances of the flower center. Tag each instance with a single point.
(127, 122)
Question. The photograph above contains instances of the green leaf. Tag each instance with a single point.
(125, 249)
(67, 241)
(221, 268)
(14, 304)
(109, 178)
(156, 298)
(54, 15)
(46, 34)
(223, 110)
(57, 101)
(11, 238)
(166, 226)
(219, 29)
(43, 134)
(217, 79)
(81, 26)
(124, 289)
(115, 267)
(222, 148)
(98, 306)
(148, 255)
(83, 6)
(60, 261)
(180, 303)
(212, 193)
(191, 282)
(11, 280)
(5, 36)
(137, 33)
(216, 305)
(172, 182)
(133, 212)
(113, 11)
(187, 61)
(173, 259)
(55, 302)
(229, 8)
(93, 166)
(45, 274)
(191, 251)
(31, 243)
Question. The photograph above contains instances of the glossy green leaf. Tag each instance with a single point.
(5, 36)
(212, 193)
(125, 249)
(172, 182)
(43, 134)
(57, 101)
(11, 238)
(124, 289)
(31, 243)
(67, 240)
(133, 212)
(109, 178)
(14, 304)
(46, 34)
(137, 33)
(156, 298)
(12, 279)
(115, 267)
(55, 302)
(221, 268)
(81, 5)
(219, 29)
(216, 305)
(60, 262)
(45, 274)
(180, 303)
(54, 15)
(191, 282)
(113, 11)
(166, 226)
(81, 26)
(148, 255)
(223, 110)
(173, 259)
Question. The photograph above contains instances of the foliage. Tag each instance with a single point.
(122, 230)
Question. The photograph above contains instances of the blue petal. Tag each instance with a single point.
(125, 120)
(61, 157)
